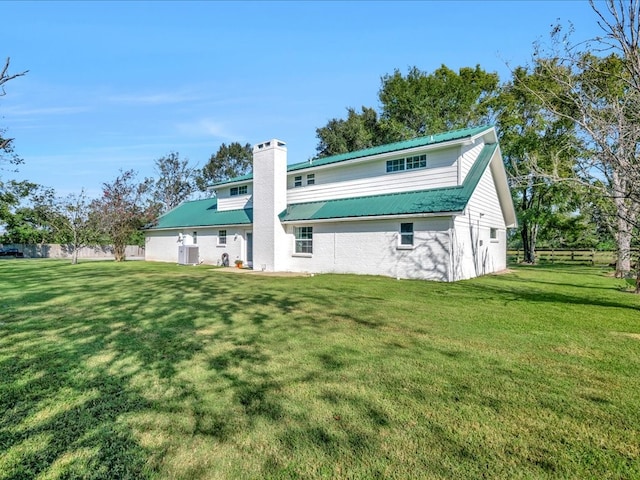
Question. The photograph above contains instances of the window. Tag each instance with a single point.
(409, 163)
(242, 190)
(297, 181)
(419, 161)
(304, 239)
(406, 234)
(395, 165)
(195, 238)
(311, 179)
(222, 237)
(493, 234)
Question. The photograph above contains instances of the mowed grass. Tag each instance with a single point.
(143, 370)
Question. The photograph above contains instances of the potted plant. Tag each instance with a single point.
(238, 263)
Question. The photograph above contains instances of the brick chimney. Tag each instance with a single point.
(269, 199)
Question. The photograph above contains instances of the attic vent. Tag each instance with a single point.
(281, 144)
(266, 144)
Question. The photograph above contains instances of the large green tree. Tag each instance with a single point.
(175, 182)
(537, 146)
(598, 94)
(124, 208)
(229, 161)
(28, 213)
(356, 132)
(411, 105)
(422, 103)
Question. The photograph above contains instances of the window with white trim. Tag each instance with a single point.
(311, 179)
(493, 233)
(406, 234)
(417, 161)
(297, 181)
(395, 165)
(408, 163)
(222, 237)
(304, 239)
(241, 190)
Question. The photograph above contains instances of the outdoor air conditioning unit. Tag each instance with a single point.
(188, 255)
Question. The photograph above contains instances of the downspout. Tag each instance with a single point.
(459, 166)
(450, 268)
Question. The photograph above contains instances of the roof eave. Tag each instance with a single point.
(373, 217)
(491, 131)
(208, 225)
(381, 156)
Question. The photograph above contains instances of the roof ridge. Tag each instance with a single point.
(418, 141)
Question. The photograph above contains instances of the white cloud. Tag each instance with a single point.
(207, 127)
(153, 99)
(21, 111)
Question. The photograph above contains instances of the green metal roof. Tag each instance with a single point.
(391, 147)
(241, 178)
(200, 213)
(437, 200)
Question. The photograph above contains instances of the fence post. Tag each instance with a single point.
(593, 257)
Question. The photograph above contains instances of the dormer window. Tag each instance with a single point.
(242, 190)
(409, 163)
(297, 181)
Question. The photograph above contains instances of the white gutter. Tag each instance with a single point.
(196, 226)
(373, 217)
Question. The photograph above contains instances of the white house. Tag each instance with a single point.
(435, 207)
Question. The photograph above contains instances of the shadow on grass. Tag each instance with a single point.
(553, 287)
(77, 340)
(85, 349)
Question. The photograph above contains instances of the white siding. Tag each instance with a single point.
(484, 200)
(236, 202)
(371, 247)
(371, 178)
(468, 156)
(474, 252)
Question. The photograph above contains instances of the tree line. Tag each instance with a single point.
(34, 214)
(567, 123)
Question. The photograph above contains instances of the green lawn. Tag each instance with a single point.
(143, 370)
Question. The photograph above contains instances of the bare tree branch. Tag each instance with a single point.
(5, 77)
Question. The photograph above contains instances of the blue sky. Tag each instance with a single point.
(116, 85)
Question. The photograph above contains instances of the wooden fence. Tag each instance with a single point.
(566, 255)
